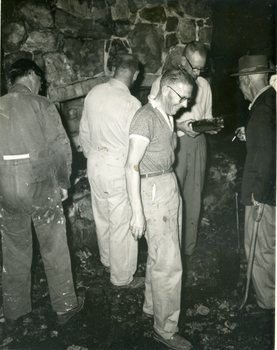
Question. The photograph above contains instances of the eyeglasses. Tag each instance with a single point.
(195, 69)
(182, 98)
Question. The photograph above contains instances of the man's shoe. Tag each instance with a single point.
(175, 342)
(11, 324)
(64, 318)
(136, 283)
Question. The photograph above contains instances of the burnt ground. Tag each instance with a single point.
(215, 279)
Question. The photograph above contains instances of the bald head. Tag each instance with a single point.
(126, 69)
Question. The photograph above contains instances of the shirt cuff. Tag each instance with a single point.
(139, 137)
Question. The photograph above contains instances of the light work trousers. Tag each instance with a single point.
(21, 203)
(112, 214)
(263, 273)
(162, 209)
(190, 171)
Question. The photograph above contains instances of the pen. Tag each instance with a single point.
(234, 138)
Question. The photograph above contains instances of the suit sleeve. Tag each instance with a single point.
(263, 160)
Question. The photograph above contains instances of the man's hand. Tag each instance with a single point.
(186, 128)
(137, 225)
(64, 194)
(241, 133)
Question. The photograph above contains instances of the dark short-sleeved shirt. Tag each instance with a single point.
(150, 124)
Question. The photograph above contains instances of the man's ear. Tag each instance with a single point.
(164, 90)
(247, 80)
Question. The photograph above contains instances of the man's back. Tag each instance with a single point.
(31, 126)
(108, 111)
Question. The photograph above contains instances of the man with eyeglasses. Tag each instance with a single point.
(35, 167)
(156, 203)
(191, 150)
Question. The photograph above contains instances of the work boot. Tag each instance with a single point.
(65, 317)
(11, 324)
(175, 342)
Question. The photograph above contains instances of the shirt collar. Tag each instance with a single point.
(255, 98)
(19, 87)
(168, 118)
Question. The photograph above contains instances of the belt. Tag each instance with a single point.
(158, 173)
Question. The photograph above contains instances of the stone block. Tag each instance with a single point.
(53, 94)
(132, 6)
(13, 36)
(174, 7)
(205, 34)
(146, 42)
(171, 24)
(70, 92)
(86, 56)
(139, 3)
(101, 12)
(186, 31)
(153, 14)
(115, 47)
(76, 8)
(72, 26)
(37, 14)
(198, 8)
(45, 41)
(58, 69)
(120, 10)
(72, 126)
(174, 56)
(78, 89)
(171, 40)
(121, 28)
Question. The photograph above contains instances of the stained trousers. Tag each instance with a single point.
(112, 214)
(263, 273)
(162, 209)
(190, 171)
(23, 202)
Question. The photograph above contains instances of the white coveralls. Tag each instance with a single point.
(108, 111)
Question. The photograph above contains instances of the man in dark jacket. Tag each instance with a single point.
(35, 166)
(259, 176)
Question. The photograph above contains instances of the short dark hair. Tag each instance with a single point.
(126, 61)
(176, 75)
(21, 67)
(195, 46)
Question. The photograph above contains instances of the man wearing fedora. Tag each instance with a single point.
(259, 175)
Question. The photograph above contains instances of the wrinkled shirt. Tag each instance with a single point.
(108, 111)
(30, 124)
(200, 106)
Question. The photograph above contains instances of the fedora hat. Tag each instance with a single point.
(256, 64)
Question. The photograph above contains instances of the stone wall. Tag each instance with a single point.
(75, 41)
